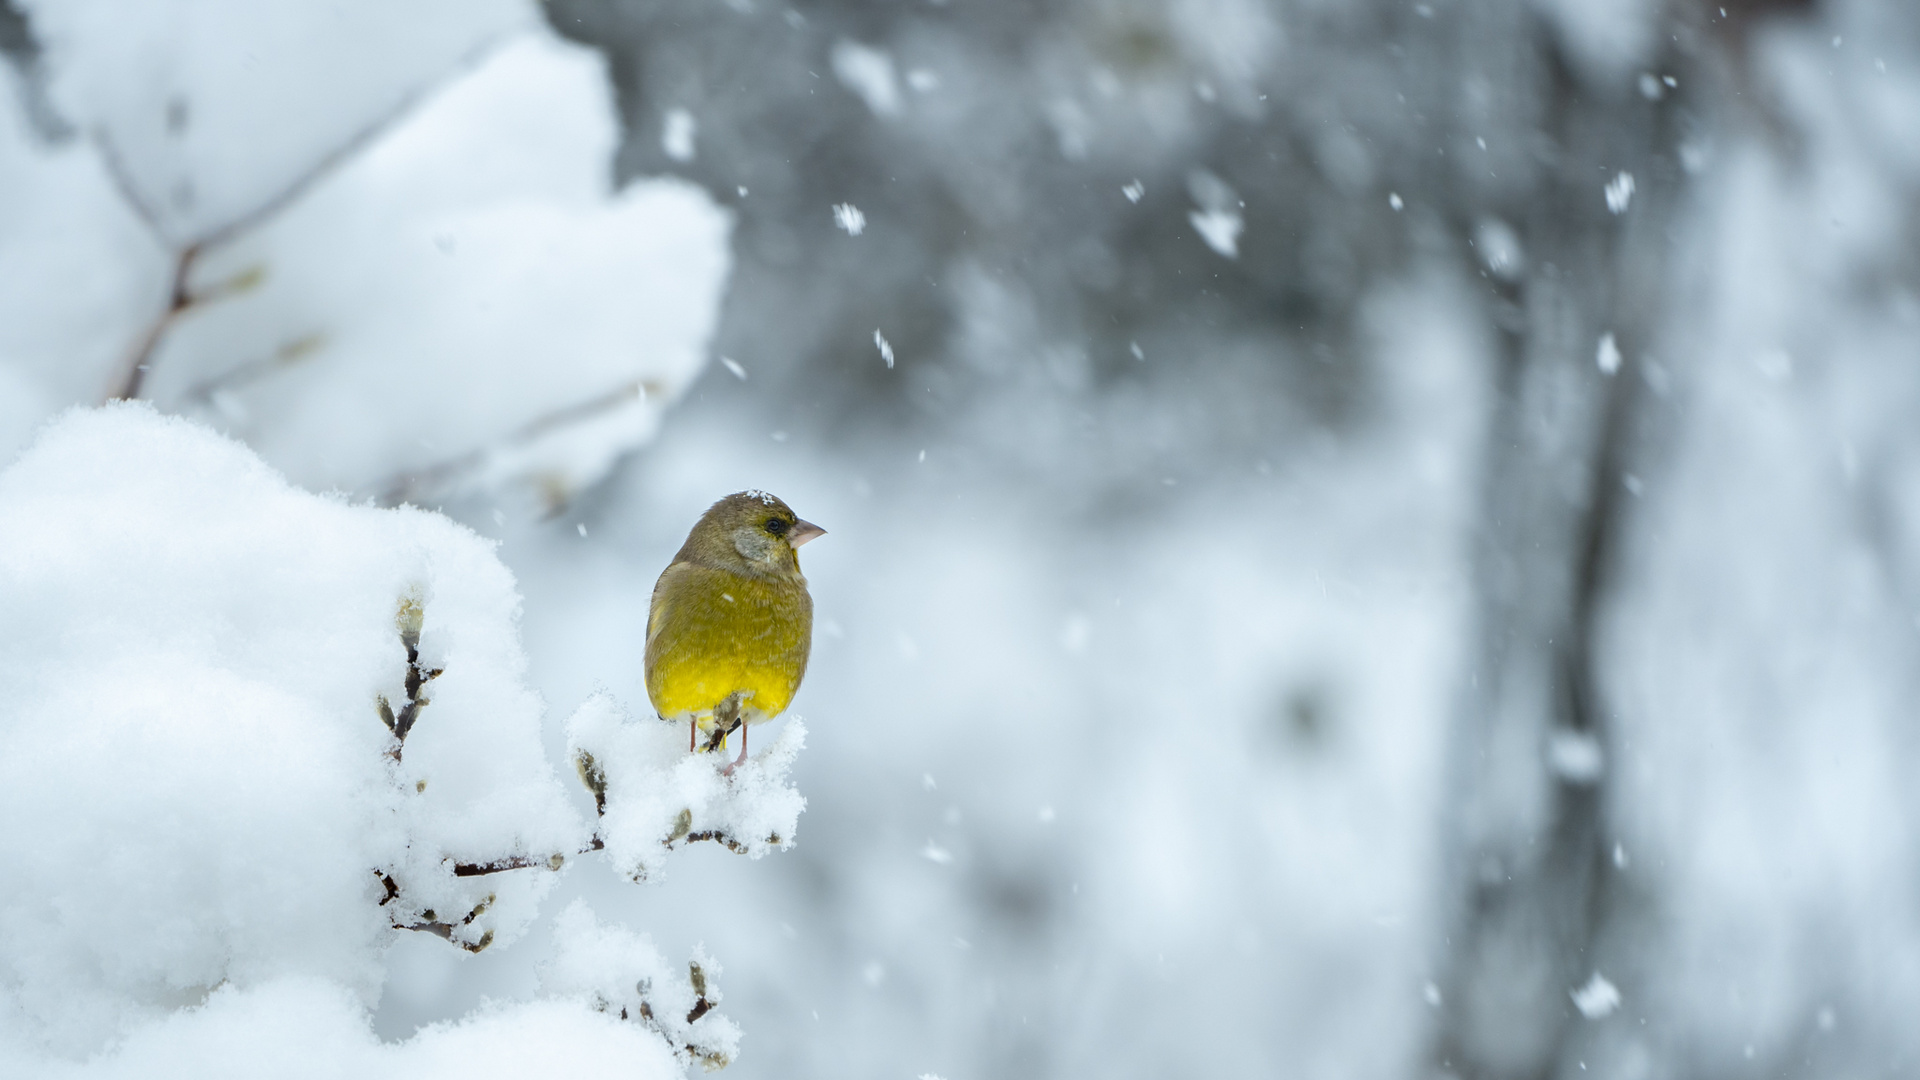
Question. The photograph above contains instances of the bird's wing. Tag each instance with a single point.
(658, 610)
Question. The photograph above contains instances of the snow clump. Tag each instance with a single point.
(656, 796)
(417, 283)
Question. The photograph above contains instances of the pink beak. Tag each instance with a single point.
(803, 531)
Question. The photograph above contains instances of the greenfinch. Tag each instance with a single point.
(731, 622)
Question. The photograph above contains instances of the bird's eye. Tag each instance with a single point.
(776, 526)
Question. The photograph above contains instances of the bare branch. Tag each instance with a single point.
(444, 931)
(520, 862)
(556, 860)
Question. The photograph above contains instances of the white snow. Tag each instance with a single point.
(1220, 229)
(660, 796)
(1218, 219)
(195, 775)
(1619, 192)
(613, 970)
(886, 348)
(1597, 999)
(848, 219)
(303, 1028)
(1608, 354)
(1500, 248)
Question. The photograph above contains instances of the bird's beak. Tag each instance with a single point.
(803, 531)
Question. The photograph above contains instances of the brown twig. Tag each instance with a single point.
(522, 862)
(723, 839)
(557, 860)
(133, 370)
(431, 924)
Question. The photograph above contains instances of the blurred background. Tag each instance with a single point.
(1366, 538)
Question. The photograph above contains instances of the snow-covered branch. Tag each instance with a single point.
(283, 834)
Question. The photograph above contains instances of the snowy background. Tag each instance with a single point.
(1366, 538)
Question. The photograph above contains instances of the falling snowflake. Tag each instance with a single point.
(676, 135)
(849, 218)
(1220, 229)
(1609, 355)
(1620, 192)
(1597, 999)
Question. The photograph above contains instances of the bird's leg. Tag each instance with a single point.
(693, 729)
(737, 762)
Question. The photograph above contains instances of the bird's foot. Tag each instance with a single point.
(737, 762)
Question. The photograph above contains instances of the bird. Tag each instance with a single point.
(730, 625)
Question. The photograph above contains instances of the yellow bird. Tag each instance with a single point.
(731, 622)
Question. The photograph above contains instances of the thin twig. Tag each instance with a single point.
(522, 862)
(416, 485)
(133, 370)
(556, 861)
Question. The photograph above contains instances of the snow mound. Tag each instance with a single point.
(309, 1029)
(198, 787)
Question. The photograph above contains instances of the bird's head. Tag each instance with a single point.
(751, 530)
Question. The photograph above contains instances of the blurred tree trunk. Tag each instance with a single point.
(1532, 888)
